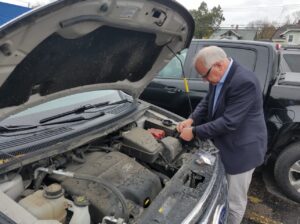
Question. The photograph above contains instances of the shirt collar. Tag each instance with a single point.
(226, 72)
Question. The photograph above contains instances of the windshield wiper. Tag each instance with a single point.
(44, 122)
(17, 128)
(80, 110)
(75, 119)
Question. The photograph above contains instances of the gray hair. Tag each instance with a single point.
(210, 55)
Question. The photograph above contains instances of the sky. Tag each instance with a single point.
(236, 12)
(241, 12)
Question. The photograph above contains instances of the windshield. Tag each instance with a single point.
(36, 113)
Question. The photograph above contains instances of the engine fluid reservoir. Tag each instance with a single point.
(47, 204)
(12, 187)
(80, 211)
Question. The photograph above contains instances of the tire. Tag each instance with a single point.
(287, 171)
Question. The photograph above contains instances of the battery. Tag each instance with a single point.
(157, 133)
(169, 130)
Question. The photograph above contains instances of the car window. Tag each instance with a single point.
(245, 57)
(173, 69)
(292, 61)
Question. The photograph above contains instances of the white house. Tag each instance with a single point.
(288, 34)
(234, 34)
(291, 36)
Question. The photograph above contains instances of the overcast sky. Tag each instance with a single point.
(243, 11)
(239, 12)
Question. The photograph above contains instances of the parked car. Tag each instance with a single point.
(76, 144)
(278, 74)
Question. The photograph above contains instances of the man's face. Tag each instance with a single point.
(213, 74)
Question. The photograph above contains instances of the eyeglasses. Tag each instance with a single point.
(207, 73)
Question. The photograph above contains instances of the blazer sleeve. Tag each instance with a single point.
(200, 113)
(238, 103)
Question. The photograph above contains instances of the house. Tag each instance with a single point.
(288, 34)
(10, 11)
(234, 34)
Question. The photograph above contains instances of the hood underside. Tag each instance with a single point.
(75, 46)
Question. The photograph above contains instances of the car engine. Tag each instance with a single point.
(113, 179)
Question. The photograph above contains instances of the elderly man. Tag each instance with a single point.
(232, 116)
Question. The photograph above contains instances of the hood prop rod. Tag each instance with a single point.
(186, 84)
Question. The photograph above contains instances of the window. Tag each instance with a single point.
(290, 38)
(173, 69)
(244, 56)
(292, 61)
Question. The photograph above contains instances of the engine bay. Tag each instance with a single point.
(113, 179)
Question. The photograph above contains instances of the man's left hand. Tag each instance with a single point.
(187, 134)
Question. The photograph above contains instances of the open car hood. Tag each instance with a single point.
(75, 46)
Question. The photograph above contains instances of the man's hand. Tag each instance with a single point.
(187, 134)
(184, 124)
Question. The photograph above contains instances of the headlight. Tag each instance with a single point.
(220, 214)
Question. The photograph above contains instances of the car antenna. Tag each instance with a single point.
(185, 81)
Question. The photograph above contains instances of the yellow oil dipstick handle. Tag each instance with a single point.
(186, 85)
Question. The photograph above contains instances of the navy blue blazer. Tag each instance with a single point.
(237, 127)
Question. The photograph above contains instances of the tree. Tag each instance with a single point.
(265, 29)
(293, 18)
(206, 21)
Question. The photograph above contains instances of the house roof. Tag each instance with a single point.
(281, 30)
(231, 32)
(242, 34)
(289, 30)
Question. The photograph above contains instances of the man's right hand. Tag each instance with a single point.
(184, 124)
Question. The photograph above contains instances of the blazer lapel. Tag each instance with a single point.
(211, 101)
(226, 84)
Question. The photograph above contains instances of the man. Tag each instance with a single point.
(232, 116)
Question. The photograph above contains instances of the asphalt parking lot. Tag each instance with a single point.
(269, 208)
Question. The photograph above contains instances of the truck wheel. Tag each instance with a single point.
(287, 171)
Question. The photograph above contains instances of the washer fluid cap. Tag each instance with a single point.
(81, 201)
(53, 191)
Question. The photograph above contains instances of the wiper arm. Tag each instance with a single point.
(80, 110)
(75, 119)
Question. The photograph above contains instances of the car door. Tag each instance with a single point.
(167, 89)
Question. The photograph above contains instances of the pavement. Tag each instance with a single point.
(267, 205)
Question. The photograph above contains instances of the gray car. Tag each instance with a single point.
(76, 144)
